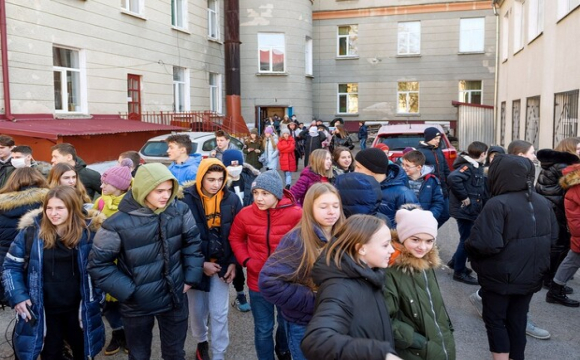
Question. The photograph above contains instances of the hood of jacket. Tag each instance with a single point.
(349, 269)
(492, 150)
(549, 157)
(79, 164)
(465, 159)
(15, 199)
(211, 204)
(395, 176)
(359, 193)
(202, 170)
(94, 219)
(510, 173)
(146, 180)
(570, 177)
(404, 260)
(192, 159)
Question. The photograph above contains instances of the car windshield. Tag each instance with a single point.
(401, 141)
(159, 148)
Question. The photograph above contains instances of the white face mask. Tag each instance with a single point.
(18, 163)
(235, 171)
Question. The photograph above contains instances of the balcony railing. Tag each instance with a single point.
(190, 120)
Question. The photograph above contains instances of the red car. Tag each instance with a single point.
(398, 137)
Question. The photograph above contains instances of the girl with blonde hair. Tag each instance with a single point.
(319, 169)
(65, 174)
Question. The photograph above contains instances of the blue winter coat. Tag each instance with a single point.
(466, 181)
(395, 192)
(431, 195)
(294, 297)
(188, 170)
(21, 286)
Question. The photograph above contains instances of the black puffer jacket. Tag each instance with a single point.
(466, 181)
(510, 241)
(434, 157)
(351, 320)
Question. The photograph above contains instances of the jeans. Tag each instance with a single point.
(567, 268)
(113, 315)
(212, 305)
(172, 332)
(295, 334)
(288, 176)
(263, 313)
(363, 143)
(460, 256)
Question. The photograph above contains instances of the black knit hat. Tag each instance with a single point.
(374, 160)
(431, 133)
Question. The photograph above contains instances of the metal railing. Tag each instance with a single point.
(191, 120)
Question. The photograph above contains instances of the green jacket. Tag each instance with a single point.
(421, 325)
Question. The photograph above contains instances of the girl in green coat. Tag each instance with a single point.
(421, 326)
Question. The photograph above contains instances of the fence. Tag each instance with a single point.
(208, 121)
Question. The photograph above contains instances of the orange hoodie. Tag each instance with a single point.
(211, 204)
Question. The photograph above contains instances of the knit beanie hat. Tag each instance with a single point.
(232, 155)
(415, 221)
(374, 160)
(271, 182)
(269, 130)
(119, 176)
(284, 131)
(431, 133)
(254, 131)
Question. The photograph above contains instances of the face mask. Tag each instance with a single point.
(18, 163)
(235, 171)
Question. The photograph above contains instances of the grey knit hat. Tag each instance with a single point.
(271, 182)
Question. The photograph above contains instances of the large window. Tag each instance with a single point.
(533, 120)
(67, 80)
(535, 18)
(566, 6)
(516, 107)
(180, 89)
(179, 13)
(502, 124)
(408, 97)
(134, 6)
(215, 92)
(409, 38)
(565, 115)
(470, 91)
(347, 40)
(271, 52)
(505, 36)
(348, 98)
(471, 35)
(308, 56)
(213, 19)
(518, 26)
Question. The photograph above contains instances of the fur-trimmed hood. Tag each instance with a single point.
(404, 260)
(549, 157)
(12, 200)
(570, 177)
(32, 218)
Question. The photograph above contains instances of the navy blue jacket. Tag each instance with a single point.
(21, 286)
(466, 181)
(434, 157)
(431, 195)
(395, 192)
(248, 175)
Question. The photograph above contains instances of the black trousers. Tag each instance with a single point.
(60, 327)
(505, 318)
(240, 279)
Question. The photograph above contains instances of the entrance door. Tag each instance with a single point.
(134, 97)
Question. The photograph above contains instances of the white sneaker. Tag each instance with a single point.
(535, 332)
(476, 302)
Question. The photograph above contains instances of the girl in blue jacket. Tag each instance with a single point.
(285, 278)
(47, 282)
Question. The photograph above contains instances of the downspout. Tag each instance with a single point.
(5, 77)
(496, 86)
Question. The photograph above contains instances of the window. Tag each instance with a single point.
(409, 38)
(215, 92)
(347, 40)
(470, 91)
(516, 104)
(408, 96)
(348, 98)
(518, 26)
(308, 57)
(212, 19)
(179, 13)
(134, 6)
(566, 6)
(505, 36)
(471, 35)
(535, 18)
(502, 124)
(68, 80)
(180, 89)
(565, 115)
(271, 52)
(533, 121)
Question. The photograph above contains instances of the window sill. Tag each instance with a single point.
(471, 53)
(135, 15)
(177, 28)
(346, 115)
(71, 115)
(569, 12)
(518, 51)
(408, 55)
(215, 40)
(347, 57)
(309, 76)
(272, 74)
(409, 114)
(535, 37)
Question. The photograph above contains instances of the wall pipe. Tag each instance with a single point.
(5, 77)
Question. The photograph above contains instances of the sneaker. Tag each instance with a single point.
(465, 278)
(476, 302)
(451, 265)
(535, 332)
(241, 303)
(202, 352)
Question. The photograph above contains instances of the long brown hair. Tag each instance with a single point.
(316, 162)
(356, 231)
(311, 242)
(56, 173)
(341, 131)
(568, 145)
(22, 178)
(75, 223)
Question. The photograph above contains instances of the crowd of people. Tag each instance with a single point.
(339, 264)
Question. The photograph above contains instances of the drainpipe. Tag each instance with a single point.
(5, 77)
(496, 86)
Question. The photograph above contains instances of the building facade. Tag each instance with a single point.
(538, 73)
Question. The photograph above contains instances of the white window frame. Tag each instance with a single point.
(270, 42)
(406, 30)
(81, 94)
(181, 90)
(215, 92)
(566, 6)
(351, 99)
(308, 59)
(408, 94)
(179, 13)
(350, 38)
(213, 19)
(469, 93)
(470, 28)
(535, 19)
(505, 36)
(518, 39)
(133, 6)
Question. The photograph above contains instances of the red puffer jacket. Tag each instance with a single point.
(570, 182)
(287, 156)
(255, 234)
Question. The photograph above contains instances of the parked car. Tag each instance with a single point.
(399, 137)
(155, 149)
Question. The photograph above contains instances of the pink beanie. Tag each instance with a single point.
(269, 130)
(119, 176)
(415, 221)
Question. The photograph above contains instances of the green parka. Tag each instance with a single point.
(421, 326)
